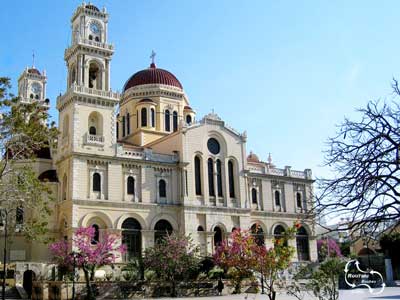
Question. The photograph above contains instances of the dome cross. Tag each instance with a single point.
(153, 56)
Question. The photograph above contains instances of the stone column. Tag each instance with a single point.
(147, 239)
(210, 242)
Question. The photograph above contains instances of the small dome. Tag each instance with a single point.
(152, 75)
(92, 7)
(34, 71)
(253, 158)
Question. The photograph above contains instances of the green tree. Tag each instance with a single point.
(270, 262)
(24, 199)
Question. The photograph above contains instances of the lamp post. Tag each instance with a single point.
(74, 254)
(4, 215)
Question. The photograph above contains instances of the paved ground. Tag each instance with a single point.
(391, 293)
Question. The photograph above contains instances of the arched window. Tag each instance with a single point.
(90, 37)
(211, 190)
(95, 123)
(298, 200)
(167, 121)
(97, 39)
(37, 97)
(279, 233)
(218, 236)
(130, 186)
(123, 126)
(96, 236)
(128, 124)
(231, 179)
(189, 119)
(19, 216)
(253, 196)
(94, 76)
(258, 234)
(175, 121)
(96, 182)
(162, 188)
(64, 187)
(143, 114)
(131, 238)
(197, 174)
(162, 229)
(73, 74)
(219, 178)
(117, 129)
(303, 250)
(200, 228)
(31, 96)
(92, 130)
(153, 118)
(277, 198)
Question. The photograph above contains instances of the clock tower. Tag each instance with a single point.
(32, 86)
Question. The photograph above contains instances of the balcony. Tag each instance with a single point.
(94, 140)
(82, 90)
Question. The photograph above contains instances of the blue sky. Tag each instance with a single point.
(284, 71)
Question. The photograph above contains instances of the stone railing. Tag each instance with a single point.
(96, 44)
(287, 171)
(146, 154)
(92, 139)
(95, 92)
(88, 91)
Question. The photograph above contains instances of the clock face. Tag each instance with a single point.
(36, 88)
(94, 28)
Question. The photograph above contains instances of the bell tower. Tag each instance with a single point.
(88, 107)
(88, 58)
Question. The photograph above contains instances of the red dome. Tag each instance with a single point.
(152, 75)
(253, 158)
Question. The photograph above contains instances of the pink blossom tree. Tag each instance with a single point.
(237, 255)
(87, 253)
(328, 247)
(173, 257)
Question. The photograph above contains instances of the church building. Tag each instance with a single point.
(142, 164)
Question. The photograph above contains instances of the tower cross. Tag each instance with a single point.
(152, 56)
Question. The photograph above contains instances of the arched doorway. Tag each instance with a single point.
(258, 234)
(28, 278)
(303, 250)
(218, 236)
(162, 229)
(279, 233)
(132, 238)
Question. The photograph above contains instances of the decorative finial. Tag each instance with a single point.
(269, 158)
(33, 58)
(153, 56)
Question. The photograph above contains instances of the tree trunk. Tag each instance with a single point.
(89, 295)
(173, 290)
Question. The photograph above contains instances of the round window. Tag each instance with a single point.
(213, 146)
